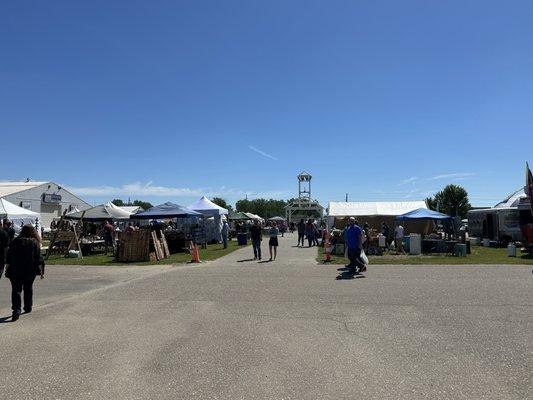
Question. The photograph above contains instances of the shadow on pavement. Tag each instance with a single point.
(5, 320)
(348, 275)
(248, 259)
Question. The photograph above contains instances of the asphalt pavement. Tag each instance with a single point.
(236, 328)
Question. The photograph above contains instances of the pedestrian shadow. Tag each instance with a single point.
(266, 261)
(5, 320)
(343, 269)
(245, 260)
(347, 275)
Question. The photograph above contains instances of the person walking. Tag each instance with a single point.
(366, 241)
(8, 227)
(316, 233)
(4, 241)
(24, 263)
(301, 232)
(398, 235)
(273, 233)
(282, 228)
(354, 242)
(225, 233)
(109, 234)
(309, 233)
(385, 231)
(257, 236)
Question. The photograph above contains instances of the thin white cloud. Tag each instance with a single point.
(457, 175)
(412, 180)
(263, 153)
(150, 190)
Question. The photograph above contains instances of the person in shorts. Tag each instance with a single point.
(273, 233)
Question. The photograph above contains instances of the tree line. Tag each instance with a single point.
(452, 200)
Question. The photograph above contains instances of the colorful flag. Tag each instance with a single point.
(529, 186)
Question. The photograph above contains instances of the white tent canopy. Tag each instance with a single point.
(208, 208)
(339, 209)
(255, 216)
(132, 209)
(17, 215)
(101, 212)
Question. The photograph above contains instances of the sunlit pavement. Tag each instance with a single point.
(288, 329)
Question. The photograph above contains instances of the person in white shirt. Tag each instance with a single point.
(225, 233)
(398, 236)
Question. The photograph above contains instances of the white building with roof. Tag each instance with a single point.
(46, 198)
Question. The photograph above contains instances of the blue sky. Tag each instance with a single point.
(167, 100)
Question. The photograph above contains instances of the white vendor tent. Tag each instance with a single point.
(209, 209)
(339, 211)
(18, 216)
(100, 213)
(132, 209)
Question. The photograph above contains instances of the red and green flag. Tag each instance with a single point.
(529, 186)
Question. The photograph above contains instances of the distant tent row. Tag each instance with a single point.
(244, 216)
(166, 211)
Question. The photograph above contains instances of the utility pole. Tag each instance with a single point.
(346, 198)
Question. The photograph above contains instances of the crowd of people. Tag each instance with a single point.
(21, 260)
(308, 230)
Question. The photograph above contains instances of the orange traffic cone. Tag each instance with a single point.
(195, 254)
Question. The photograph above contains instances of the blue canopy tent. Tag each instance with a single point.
(166, 211)
(424, 213)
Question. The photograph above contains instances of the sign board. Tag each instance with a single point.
(51, 198)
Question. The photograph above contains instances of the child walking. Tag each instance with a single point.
(273, 233)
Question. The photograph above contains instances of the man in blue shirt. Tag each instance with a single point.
(353, 236)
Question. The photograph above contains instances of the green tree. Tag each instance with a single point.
(143, 204)
(222, 203)
(265, 208)
(431, 203)
(452, 200)
(118, 202)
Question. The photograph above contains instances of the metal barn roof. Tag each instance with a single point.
(7, 188)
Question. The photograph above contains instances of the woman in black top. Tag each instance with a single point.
(24, 263)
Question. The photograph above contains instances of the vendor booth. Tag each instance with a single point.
(18, 216)
(171, 230)
(210, 210)
(102, 212)
(423, 239)
(83, 230)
